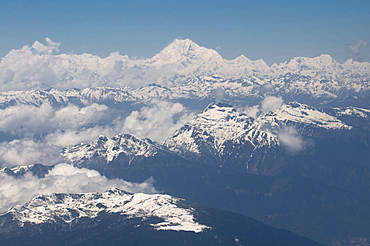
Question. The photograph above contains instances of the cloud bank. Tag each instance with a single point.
(28, 151)
(62, 178)
(39, 67)
(36, 134)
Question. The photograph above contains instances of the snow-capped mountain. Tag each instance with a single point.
(222, 147)
(115, 216)
(323, 67)
(111, 148)
(121, 156)
(71, 207)
(209, 88)
(189, 60)
(33, 97)
(37, 170)
(214, 131)
(294, 139)
(298, 114)
(254, 163)
(218, 123)
(353, 111)
(355, 116)
(220, 128)
(179, 64)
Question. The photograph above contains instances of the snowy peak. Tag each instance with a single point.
(110, 148)
(72, 207)
(221, 121)
(320, 62)
(182, 46)
(32, 97)
(220, 126)
(184, 51)
(352, 111)
(301, 114)
(211, 130)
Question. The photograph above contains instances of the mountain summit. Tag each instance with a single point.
(185, 52)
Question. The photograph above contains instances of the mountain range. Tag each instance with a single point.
(116, 217)
(220, 152)
(286, 144)
(183, 62)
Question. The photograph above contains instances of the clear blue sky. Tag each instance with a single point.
(273, 30)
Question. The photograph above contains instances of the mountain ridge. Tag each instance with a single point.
(115, 216)
(176, 64)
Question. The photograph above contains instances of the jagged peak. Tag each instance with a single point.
(322, 60)
(242, 58)
(183, 43)
(110, 148)
(115, 190)
(180, 46)
(218, 106)
(116, 137)
(296, 104)
(100, 139)
(184, 48)
(302, 114)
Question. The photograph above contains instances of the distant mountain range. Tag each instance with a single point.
(183, 62)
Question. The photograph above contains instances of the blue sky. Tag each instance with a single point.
(275, 31)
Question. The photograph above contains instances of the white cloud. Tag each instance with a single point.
(28, 151)
(218, 94)
(290, 138)
(271, 103)
(252, 111)
(50, 48)
(356, 47)
(62, 178)
(30, 67)
(38, 67)
(37, 134)
(26, 120)
(157, 120)
(71, 137)
(73, 117)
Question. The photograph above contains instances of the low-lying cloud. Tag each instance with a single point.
(27, 120)
(36, 134)
(157, 120)
(28, 151)
(271, 103)
(63, 178)
(290, 138)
